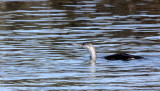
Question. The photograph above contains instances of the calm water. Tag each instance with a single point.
(36, 51)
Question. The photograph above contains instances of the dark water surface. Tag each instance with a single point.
(36, 54)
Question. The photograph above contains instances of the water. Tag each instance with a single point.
(36, 51)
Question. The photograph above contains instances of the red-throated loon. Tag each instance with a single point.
(119, 56)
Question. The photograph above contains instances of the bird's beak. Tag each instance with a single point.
(77, 44)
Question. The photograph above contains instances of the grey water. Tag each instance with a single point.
(36, 51)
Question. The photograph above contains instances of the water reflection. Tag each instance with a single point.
(35, 37)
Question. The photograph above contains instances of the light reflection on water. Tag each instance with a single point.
(36, 51)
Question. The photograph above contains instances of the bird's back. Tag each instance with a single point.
(122, 56)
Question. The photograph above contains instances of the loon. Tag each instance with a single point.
(119, 56)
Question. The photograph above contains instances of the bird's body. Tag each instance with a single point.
(122, 56)
(119, 56)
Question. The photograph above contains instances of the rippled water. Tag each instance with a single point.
(36, 51)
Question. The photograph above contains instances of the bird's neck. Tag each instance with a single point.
(92, 51)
